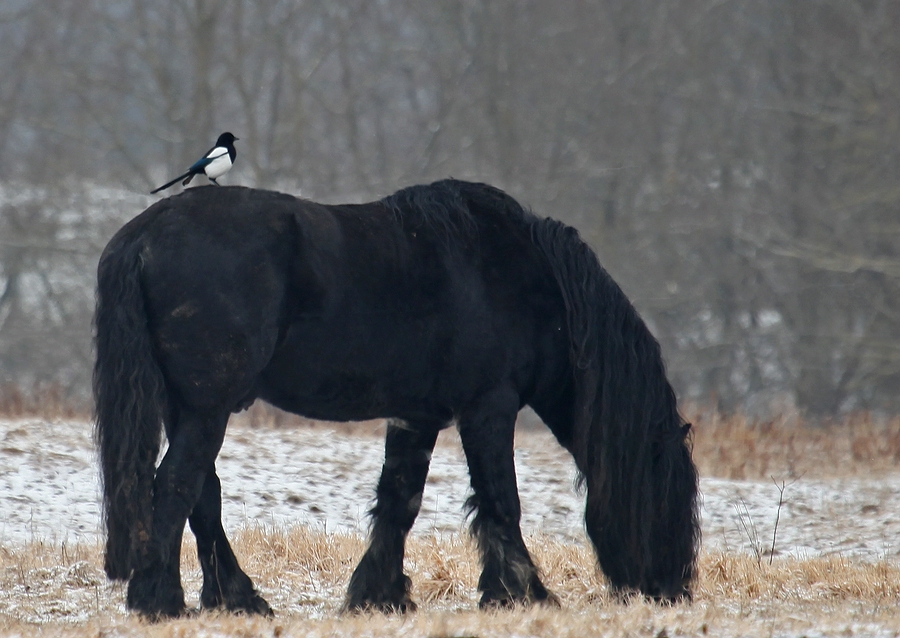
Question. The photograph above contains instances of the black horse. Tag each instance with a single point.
(439, 305)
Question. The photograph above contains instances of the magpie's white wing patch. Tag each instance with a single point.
(219, 162)
(216, 153)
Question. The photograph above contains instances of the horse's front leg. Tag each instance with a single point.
(379, 582)
(509, 576)
(155, 587)
(224, 582)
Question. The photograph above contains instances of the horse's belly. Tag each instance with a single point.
(342, 372)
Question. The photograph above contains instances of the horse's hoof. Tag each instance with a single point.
(255, 605)
(261, 607)
(163, 614)
(159, 616)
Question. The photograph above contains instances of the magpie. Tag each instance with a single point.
(214, 164)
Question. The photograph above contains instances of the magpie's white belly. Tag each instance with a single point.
(218, 167)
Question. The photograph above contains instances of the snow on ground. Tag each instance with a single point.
(325, 477)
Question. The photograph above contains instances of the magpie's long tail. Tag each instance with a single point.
(167, 184)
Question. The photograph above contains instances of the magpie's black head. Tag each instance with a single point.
(226, 139)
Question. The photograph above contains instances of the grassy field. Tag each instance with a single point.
(60, 590)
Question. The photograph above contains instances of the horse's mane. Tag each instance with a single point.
(450, 209)
(629, 439)
(616, 360)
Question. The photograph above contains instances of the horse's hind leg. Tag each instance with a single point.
(224, 583)
(379, 582)
(509, 576)
(155, 586)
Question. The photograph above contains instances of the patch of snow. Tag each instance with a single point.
(325, 478)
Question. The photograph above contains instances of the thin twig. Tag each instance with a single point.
(777, 517)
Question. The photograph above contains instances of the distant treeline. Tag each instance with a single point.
(733, 163)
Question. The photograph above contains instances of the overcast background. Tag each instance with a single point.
(733, 162)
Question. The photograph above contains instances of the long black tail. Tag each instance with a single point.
(186, 177)
(630, 443)
(129, 399)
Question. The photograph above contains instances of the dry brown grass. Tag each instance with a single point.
(61, 591)
(48, 401)
(737, 447)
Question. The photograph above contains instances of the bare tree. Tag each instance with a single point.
(732, 163)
